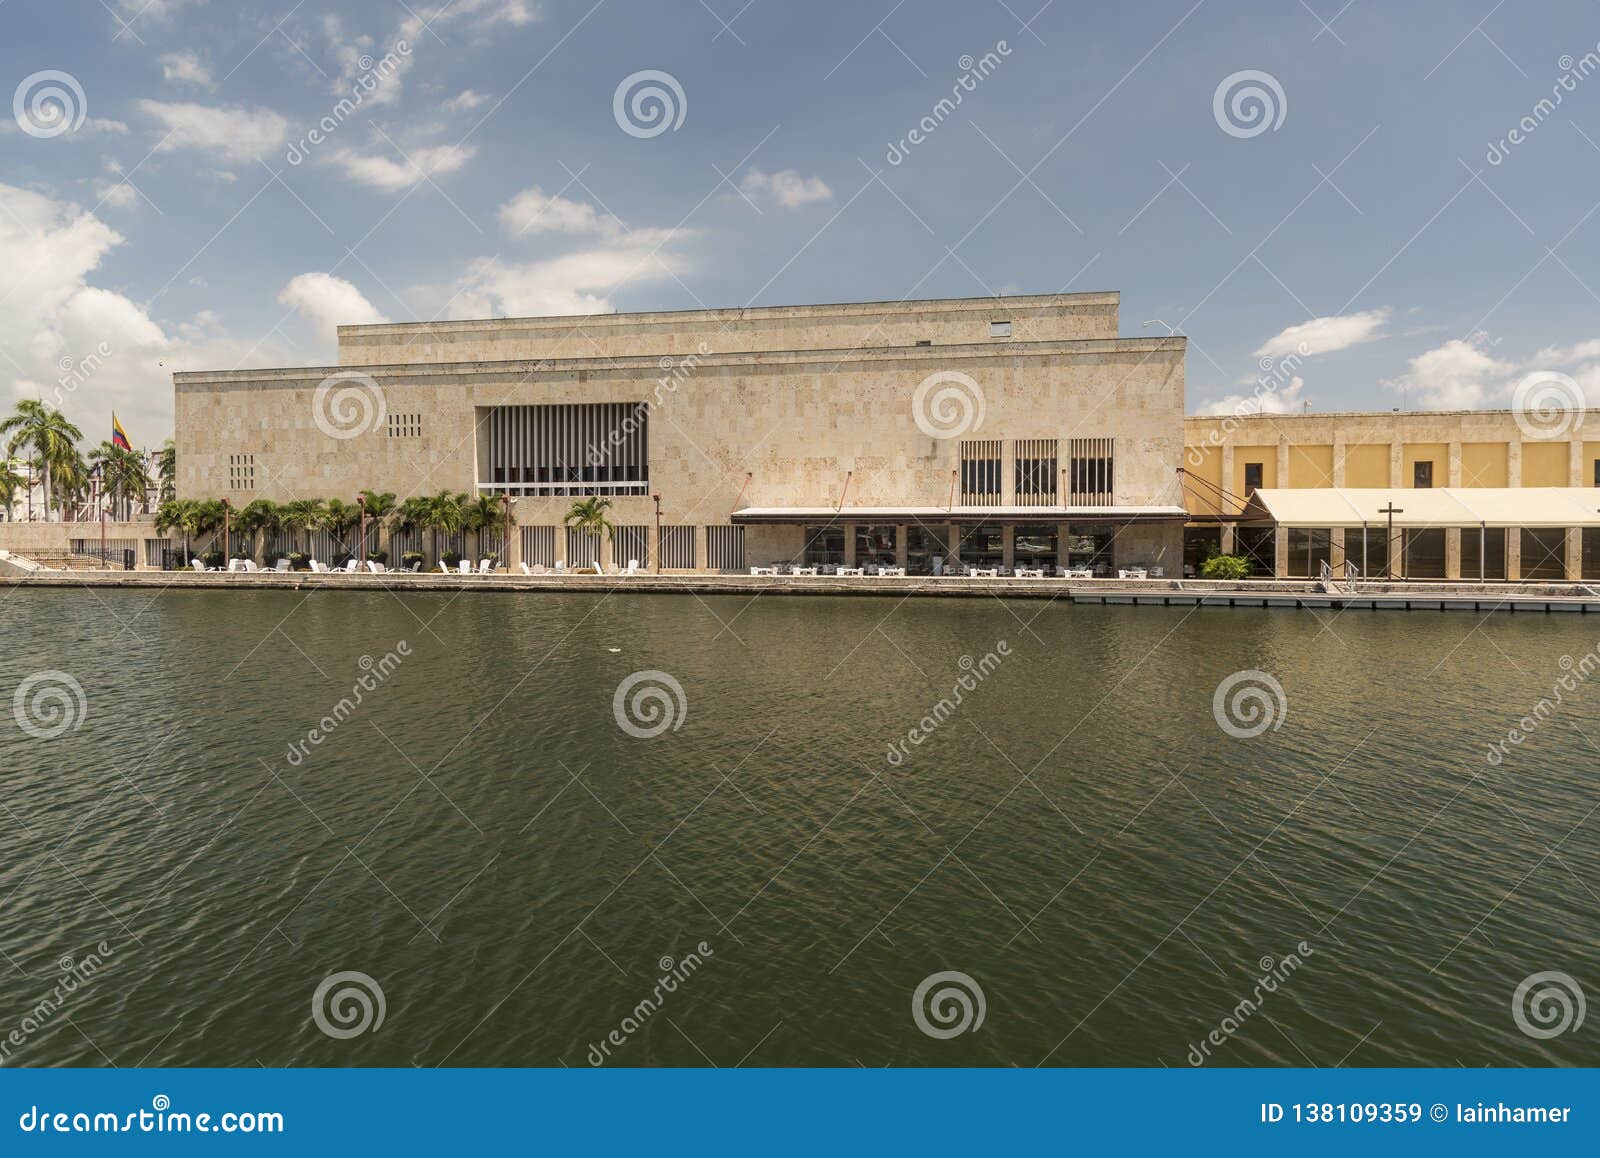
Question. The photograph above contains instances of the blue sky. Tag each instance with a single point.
(186, 222)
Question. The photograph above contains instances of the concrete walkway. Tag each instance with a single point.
(1375, 595)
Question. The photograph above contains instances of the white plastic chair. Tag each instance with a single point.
(633, 567)
(524, 568)
(485, 566)
(464, 567)
(374, 566)
(351, 564)
(283, 565)
(197, 565)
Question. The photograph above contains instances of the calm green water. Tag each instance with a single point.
(509, 866)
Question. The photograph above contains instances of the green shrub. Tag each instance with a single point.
(299, 561)
(450, 558)
(1225, 567)
(410, 559)
(380, 557)
(212, 558)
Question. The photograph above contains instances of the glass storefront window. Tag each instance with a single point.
(923, 545)
(983, 546)
(874, 545)
(1034, 547)
(1371, 554)
(1544, 553)
(1424, 557)
(824, 544)
(1089, 545)
(1309, 549)
(1490, 544)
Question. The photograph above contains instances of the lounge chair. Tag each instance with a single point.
(485, 566)
(351, 565)
(317, 568)
(632, 568)
(524, 568)
(443, 567)
(197, 565)
(374, 566)
(464, 567)
(282, 565)
(561, 567)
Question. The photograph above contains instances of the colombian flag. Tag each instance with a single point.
(119, 436)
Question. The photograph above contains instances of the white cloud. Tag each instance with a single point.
(533, 211)
(392, 175)
(787, 188)
(1585, 351)
(91, 127)
(1291, 399)
(466, 100)
(118, 196)
(1460, 375)
(328, 302)
(575, 283)
(55, 325)
(1325, 335)
(186, 68)
(236, 134)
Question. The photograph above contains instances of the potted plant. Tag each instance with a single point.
(411, 560)
(299, 561)
(450, 559)
(380, 557)
(1231, 567)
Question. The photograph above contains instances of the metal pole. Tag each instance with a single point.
(657, 545)
(227, 528)
(1483, 549)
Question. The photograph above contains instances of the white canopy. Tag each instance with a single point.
(1014, 514)
(1437, 507)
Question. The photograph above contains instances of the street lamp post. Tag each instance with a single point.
(505, 543)
(657, 551)
(361, 543)
(1391, 510)
(227, 534)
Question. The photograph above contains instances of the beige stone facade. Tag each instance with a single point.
(1226, 457)
(721, 411)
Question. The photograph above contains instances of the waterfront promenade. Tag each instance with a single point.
(1374, 595)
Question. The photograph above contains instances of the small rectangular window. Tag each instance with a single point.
(999, 329)
(1597, 472)
(1252, 478)
(924, 342)
(1422, 475)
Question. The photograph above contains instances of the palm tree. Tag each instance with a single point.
(338, 517)
(167, 470)
(178, 514)
(122, 476)
(48, 434)
(589, 516)
(11, 481)
(443, 513)
(255, 519)
(483, 513)
(303, 515)
(381, 509)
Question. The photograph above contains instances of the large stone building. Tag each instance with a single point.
(997, 431)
